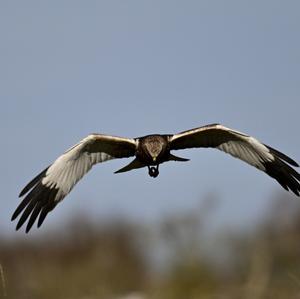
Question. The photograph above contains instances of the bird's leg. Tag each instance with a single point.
(153, 171)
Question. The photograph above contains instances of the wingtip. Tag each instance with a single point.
(21, 193)
(18, 226)
(293, 163)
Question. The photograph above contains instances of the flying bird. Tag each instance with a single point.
(51, 186)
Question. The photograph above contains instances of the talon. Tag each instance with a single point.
(153, 171)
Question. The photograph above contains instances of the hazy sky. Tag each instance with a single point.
(131, 68)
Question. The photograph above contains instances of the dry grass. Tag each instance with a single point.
(3, 283)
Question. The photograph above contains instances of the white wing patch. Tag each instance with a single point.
(249, 150)
(70, 167)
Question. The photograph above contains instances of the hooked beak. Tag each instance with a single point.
(154, 158)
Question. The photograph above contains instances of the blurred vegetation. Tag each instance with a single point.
(176, 258)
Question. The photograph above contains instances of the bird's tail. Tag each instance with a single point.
(132, 165)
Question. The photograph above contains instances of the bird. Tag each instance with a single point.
(53, 184)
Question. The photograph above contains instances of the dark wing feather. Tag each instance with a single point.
(48, 188)
(243, 147)
(33, 182)
(282, 156)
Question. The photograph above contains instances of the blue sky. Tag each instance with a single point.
(131, 68)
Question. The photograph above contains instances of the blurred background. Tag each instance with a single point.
(209, 228)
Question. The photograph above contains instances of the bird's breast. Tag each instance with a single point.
(147, 159)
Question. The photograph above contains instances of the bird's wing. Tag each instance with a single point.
(55, 182)
(243, 147)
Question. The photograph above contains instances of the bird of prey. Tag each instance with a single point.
(51, 186)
